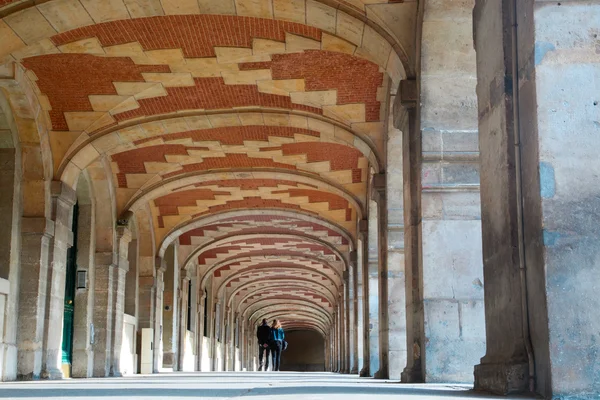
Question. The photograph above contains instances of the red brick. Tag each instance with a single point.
(210, 94)
(173, 32)
(68, 80)
(340, 157)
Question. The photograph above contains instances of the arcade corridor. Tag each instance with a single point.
(412, 187)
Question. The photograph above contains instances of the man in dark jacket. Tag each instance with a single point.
(262, 334)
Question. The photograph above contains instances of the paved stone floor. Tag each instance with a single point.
(281, 386)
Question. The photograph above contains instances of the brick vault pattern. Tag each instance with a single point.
(234, 147)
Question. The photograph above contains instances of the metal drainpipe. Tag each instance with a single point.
(519, 193)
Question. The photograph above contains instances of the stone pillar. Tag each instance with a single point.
(200, 333)
(359, 309)
(83, 352)
(406, 118)
(170, 309)
(216, 311)
(336, 335)
(353, 323)
(123, 240)
(379, 188)
(63, 200)
(36, 238)
(540, 195)
(105, 284)
(452, 271)
(182, 322)
(396, 306)
(158, 320)
(10, 247)
(343, 329)
(363, 263)
(373, 255)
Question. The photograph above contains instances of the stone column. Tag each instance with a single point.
(193, 301)
(344, 329)
(363, 263)
(538, 119)
(158, 319)
(106, 278)
(336, 335)
(200, 333)
(452, 271)
(406, 118)
(373, 255)
(123, 239)
(216, 311)
(396, 307)
(380, 191)
(225, 338)
(83, 353)
(353, 323)
(63, 200)
(36, 238)
(182, 322)
(170, 308)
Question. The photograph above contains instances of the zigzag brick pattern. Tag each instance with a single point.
(356, 80)
(234, 135)
(211, 94)
(68, 80)
(196, 35)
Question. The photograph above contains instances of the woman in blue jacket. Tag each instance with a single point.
(277, 337)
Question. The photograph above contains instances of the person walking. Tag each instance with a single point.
(263, 333)
(277, 337)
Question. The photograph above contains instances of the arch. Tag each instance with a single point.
(280, 266)
(350, 18)
(288, 282)
(115, 139)
(250, 299)
(203, 178)
(238, 238)
(273, 282)
(228, 215)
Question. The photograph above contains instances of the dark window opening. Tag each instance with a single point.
(205, 316)
(189, 307)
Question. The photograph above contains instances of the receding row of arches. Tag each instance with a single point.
(173, 174)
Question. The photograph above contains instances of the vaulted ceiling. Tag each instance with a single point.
(248, 129)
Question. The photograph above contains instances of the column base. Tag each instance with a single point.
(364, 373)
(354, 371)
(411, 375)
(382, 374)
(52, 374)
(502, 378)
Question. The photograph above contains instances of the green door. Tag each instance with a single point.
(71, 272)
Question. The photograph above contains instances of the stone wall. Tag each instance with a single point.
(452, 274)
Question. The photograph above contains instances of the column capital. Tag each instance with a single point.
(161, 264)
(346, 276)
(104, 258)
(408, 93)
(123, 233)
(63, 192)
(363, 226)
(379, 183)
(353, 257)
(37, 226)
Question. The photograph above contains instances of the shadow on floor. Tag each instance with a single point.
(15, 393)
